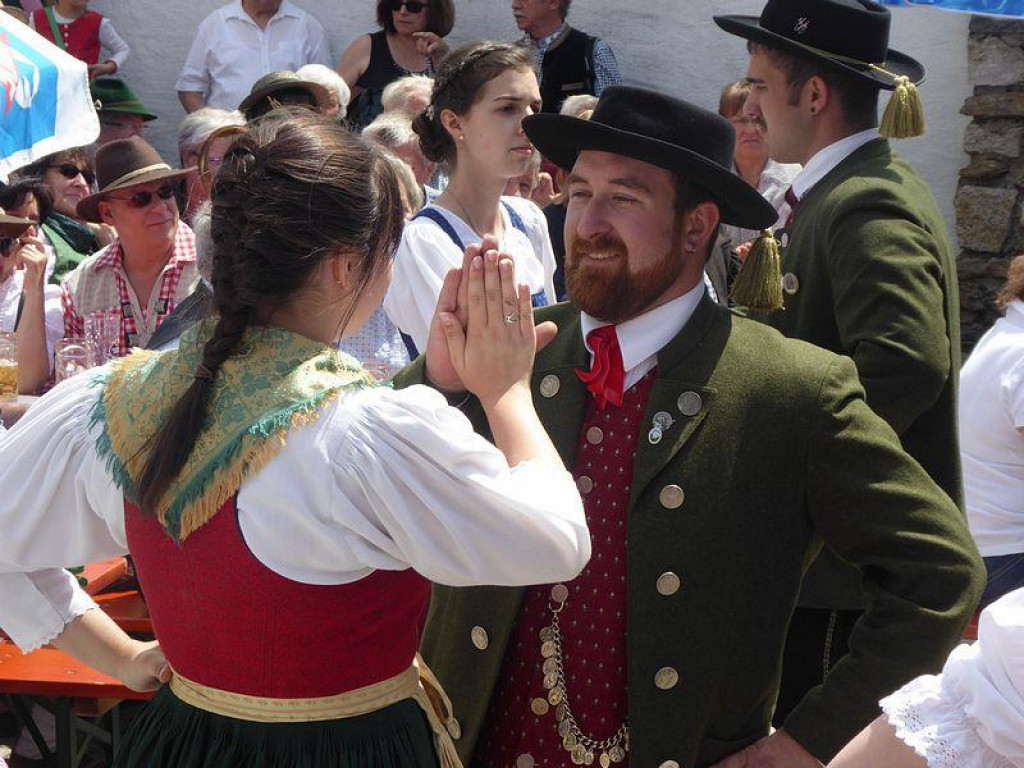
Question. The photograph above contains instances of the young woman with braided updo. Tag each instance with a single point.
(473, 125)
(286, 514)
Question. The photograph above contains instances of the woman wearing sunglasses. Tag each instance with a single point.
(69, 176)
(409, 41)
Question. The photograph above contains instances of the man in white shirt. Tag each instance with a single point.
(239, 43)
(869, 270)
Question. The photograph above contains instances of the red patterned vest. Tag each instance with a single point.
(81, 37)
(593, 622)
(227, 621)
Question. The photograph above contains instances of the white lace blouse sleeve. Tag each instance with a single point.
(59, 508)
(432, 494)
(972, 715)
(421, 263)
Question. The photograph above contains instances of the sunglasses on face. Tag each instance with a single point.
(143, 198)
(412, 6)
(70, 171)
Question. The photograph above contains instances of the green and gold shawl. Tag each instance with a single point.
(276, 380)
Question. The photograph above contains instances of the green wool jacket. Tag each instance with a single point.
(783, 453)
(870, 273)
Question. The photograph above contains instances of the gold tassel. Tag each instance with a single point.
(758, 286)
(904, 115)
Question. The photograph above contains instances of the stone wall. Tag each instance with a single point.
(990, 196)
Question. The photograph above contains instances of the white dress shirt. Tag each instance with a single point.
(644, 336)
(382, 480)
(426, 253)
(116, 48)
(231, 52)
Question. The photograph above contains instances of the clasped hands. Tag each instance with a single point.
(482, 337)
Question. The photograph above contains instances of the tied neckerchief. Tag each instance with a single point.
(606, 376)
(792, 200)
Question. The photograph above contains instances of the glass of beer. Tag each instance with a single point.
(8, 366)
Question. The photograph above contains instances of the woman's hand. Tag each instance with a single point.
(144, 667)
(30, 256)
(105, 234)
(494, 355)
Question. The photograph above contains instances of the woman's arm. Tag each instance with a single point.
(94, 639)
(354, 62)
(877, 745)
(33, 359)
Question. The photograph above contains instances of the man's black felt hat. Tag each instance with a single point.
(664, 131)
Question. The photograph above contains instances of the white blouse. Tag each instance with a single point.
(427, 253)
(53, 312)
(972, 715)
(382, 479)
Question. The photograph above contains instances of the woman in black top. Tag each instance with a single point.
(410, 41)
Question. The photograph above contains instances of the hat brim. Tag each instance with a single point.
(13, 226)
(141, 112)
(896, 63)
(88, 208)
(561, 139)
(318, 91)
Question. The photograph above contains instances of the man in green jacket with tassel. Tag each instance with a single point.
(867, 268)
(714, 457)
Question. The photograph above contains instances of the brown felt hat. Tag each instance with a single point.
(275, 82)
(12, 226)
(122, 164)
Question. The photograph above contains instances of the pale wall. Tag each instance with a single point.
(668, 44)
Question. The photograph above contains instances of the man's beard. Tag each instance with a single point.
(616, 294)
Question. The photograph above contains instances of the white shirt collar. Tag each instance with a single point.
(643, 337)
(236, 11)
(1015, 312)
(828, 158)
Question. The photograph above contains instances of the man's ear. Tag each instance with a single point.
(817, 94)
(701, 226)
(106, 216)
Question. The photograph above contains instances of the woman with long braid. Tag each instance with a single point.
(285, 513)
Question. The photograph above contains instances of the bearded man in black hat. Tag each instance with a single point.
(868, 267)
(713, 456)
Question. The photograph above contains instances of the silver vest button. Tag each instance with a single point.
(671, 497)
(549, 387)
(668, 584)
(666, 678)
(690, 403)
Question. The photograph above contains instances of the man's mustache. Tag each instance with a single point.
(582, 247)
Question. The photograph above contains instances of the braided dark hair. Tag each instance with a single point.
(458, 84)
(293, 189)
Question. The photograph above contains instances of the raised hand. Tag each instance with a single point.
(30, 255)
(494, 354)
(431, 45)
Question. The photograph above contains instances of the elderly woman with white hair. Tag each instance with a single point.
(193, 133)
(338, 92)
(408, 94)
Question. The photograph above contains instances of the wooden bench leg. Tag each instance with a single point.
(62, 711)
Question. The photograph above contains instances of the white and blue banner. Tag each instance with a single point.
(45, 104)
(1010, 8)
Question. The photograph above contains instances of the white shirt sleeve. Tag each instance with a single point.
(195, 75)
(423, 258)
(117, 49)
(972, 715)
(430, 493)
(59, 508)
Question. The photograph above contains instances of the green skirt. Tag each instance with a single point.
(169, 732)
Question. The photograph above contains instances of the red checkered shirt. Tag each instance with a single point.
(100, 284)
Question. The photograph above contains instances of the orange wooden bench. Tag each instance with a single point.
(74, 691)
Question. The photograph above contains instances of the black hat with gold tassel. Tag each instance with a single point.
(848, 36)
